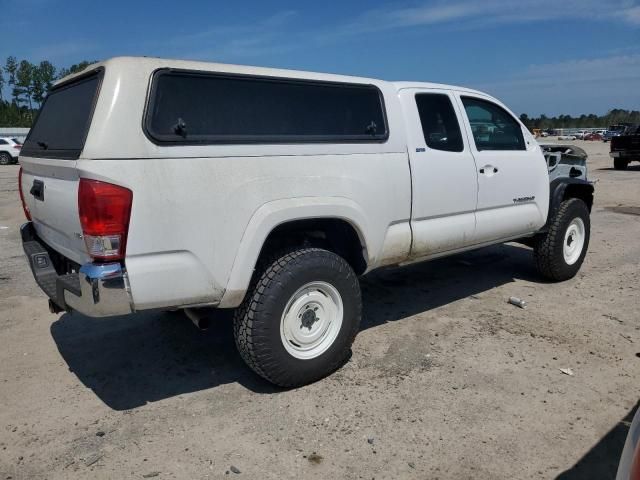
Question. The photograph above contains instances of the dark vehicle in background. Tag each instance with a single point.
(615, 131)
(625, 148)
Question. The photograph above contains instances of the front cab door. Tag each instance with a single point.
(513, 182)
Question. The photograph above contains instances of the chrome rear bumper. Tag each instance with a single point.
(96, 289)
(104, 291)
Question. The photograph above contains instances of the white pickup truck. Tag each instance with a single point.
(166, 184)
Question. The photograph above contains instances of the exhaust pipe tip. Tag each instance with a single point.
(199, 317)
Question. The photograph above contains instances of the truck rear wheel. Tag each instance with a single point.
(559, 253)
(620, 164)
(300, 317)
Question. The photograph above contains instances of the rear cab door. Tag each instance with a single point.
(50, 179)
(443, 172)
(513, 181)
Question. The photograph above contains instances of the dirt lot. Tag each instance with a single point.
(447, 380)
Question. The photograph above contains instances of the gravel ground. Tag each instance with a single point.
(446, 380)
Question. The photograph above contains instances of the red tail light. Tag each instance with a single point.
(27, 213)
(104, 215)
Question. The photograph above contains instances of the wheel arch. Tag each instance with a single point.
(562, 189)
(335, 223)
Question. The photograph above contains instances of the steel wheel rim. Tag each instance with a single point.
(573, 241)
(311, 320)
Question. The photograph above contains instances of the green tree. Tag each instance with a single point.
(48, 74)
(42, 79)
(1, 83)
(543, 122)
(75, 68)
(10, 67)
(24, 83)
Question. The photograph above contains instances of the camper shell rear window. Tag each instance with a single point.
(192, 107)
(61, 127)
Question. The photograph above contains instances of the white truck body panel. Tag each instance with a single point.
(201, 213)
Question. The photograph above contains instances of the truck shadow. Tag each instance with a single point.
(132, 360)
(631, 168)
(601, 461)
(397, 293)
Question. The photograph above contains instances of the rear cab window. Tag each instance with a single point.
(439, 123)
(61, 127)
(187, 107)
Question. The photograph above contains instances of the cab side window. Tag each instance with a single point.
(493, 128)
(439, 123)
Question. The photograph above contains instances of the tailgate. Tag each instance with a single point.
(50, 190)
(48, 157)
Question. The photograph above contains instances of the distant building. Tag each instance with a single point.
(14, 132)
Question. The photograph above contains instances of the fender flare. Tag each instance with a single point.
(278, 212)
(558, 190)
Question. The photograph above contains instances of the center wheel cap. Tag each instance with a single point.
(308, 319)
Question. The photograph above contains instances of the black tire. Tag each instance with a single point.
(548, 251)
(620, 164)
(5, 158)
(257, 322)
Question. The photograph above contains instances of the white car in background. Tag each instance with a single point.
(566, 137)
(9, 150)
(581, 134)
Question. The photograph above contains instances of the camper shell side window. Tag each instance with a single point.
(192, 107)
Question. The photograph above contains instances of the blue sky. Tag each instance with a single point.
(538, 56)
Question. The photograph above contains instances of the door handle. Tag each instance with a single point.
(488, 169)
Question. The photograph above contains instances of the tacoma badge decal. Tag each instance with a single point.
(524, 199)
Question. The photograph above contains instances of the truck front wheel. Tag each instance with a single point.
(560, 251)
(300, 317)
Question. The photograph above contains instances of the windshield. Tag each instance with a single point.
(61, 127)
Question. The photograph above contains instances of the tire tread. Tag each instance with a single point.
(252, 345)
(547, 252)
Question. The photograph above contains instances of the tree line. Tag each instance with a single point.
(27, 85)
(613, 117)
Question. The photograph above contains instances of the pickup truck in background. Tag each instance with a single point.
(166, 184)
(625, 148)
